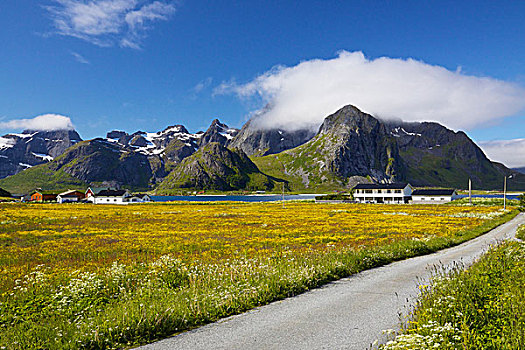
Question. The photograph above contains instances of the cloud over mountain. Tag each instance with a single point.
(46, 122)
(108, 22)
(412, 90)
(509, 152)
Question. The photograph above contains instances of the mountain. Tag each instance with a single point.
(520, 170)
(218, 132)
(138, 161)
(87, 162)
(352, 146)
(22, 151)
(256, 141)
(437, 156)
(215, 167)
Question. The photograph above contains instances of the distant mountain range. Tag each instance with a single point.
(350, 147)
(21, 151)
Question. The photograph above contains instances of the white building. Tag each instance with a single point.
(110, 197)
(71, 196)
(383, 193)
(91, 192)
(139, 198)
(434, 196)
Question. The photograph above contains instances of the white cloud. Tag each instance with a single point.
(203, 84)
(509, 152)
(108, 22)
(412, 90)
(46, 122)
(80, 58)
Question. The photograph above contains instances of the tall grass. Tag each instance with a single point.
(520, 233)
(482, 307)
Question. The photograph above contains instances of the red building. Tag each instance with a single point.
(43, 196)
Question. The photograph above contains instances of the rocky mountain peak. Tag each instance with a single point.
(350, 118)
(218, 132)
(175, 129)
(116, 134)
(216, 167)
(216, 122)
(32, 147)
(254, 140)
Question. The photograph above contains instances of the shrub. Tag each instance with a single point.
(522, 202)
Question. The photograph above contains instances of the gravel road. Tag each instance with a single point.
(347, 314)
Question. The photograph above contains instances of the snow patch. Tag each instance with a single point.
(25, 165)
(6, 143)
(397, 130)
(228, 136)
(23, 136)
(43, 156)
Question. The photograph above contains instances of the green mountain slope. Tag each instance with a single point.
(214, 167)
(40, 176)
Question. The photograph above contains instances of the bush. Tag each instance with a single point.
(335, 197)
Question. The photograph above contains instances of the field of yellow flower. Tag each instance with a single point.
(85, 276)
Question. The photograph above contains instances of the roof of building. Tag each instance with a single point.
(394, 186)
(96, 190)
(141, 195)
(46, 192)
(434, 192)
(111, 193)
(70, 193)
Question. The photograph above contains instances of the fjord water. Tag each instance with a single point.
(255, 198)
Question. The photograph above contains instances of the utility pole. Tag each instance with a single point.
(470, 191)
(505, 193)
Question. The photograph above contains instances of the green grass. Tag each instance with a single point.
(521, 232)
(479, 308)
(124, 305)
(485, 202)
(40, 176)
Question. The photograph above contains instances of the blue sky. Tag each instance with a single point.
(146, 64)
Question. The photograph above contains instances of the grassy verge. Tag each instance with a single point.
(484, 202)
(479, 308)
(132, 304)
(520, 233)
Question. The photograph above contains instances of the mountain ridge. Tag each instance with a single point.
(349, 147)
(29, 148)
